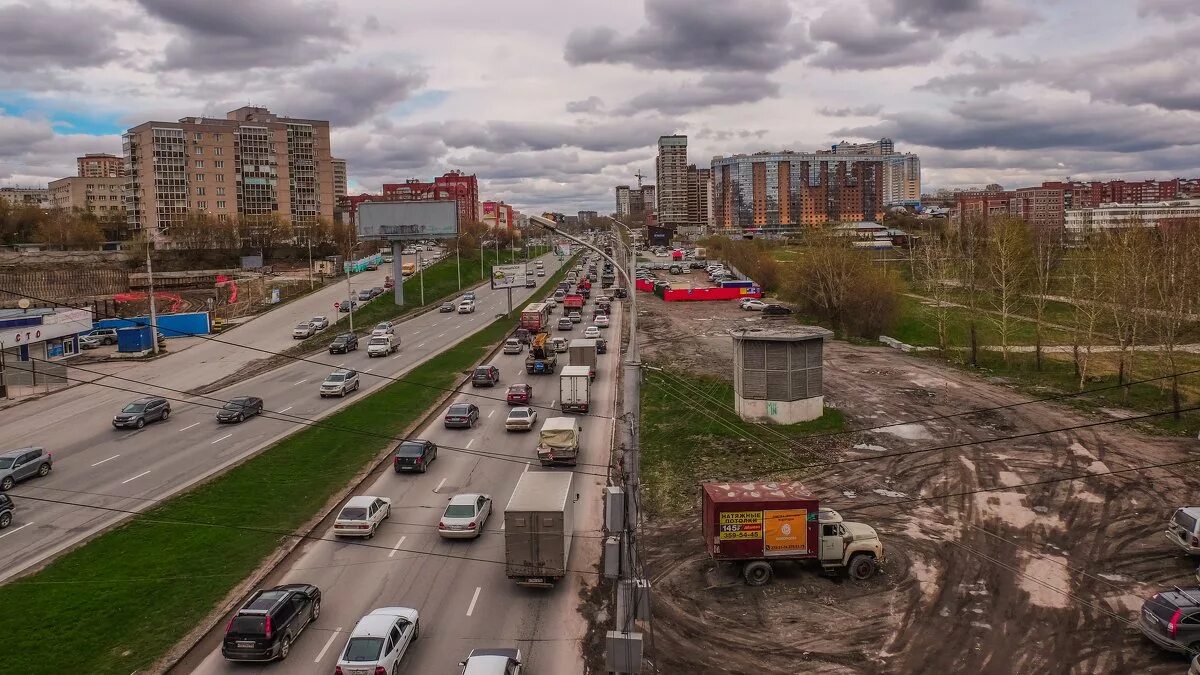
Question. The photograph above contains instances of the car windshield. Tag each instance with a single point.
(459, 410)
(411, 449)
(353, 513)
(235, 404)
(6, 462)
(518, 414)
(460, 511)
(134, 408)
(383, 326)
(379, 340)
(363, 649)
(335, 377)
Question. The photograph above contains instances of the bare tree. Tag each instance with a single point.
(1086, 286)
(1007, 263)
(934, 268)
(1126, 289)
(971, 242)
(1174, 278)
(1046, 259)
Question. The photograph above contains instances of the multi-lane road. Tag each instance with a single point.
(95, 464)
(459, 587)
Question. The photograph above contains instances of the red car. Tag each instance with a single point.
(520, 394)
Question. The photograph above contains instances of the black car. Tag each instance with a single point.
(142, 411)
(447, 307)
(364, 295)
(344, 343)
(530, 282)
(601, 346)
(6, 510)
(347, 305)
(239, 408)
(776, 310)
(265, 627)
(1171, 619)
(485, 376)
(461, 416)
(619, 292)
(377, 291)
(414, 455)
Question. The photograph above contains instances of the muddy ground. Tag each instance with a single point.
(1021, 579)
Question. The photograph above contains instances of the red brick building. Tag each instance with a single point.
(498, 215)
(454, 186)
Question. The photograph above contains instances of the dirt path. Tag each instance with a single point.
(1039, 579)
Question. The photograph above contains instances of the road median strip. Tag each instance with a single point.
(131, 594)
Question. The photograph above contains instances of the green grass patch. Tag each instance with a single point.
(916, 327)
(690, 433)
(120, 602)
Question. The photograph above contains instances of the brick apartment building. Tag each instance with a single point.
(456, 186)
(100, 165)
(791, 188)
(1047, 204)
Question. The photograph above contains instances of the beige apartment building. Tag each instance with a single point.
(102, 196)
(340, 178)
(100, 165)
(251, 163)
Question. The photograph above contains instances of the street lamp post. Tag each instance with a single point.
(311, 282)
(153, 312)
(350, 298)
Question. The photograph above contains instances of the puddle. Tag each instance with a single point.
(912, 432)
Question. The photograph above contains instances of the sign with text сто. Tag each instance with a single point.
(399, 221)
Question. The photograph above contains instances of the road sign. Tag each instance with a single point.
(508, 276)
(337, 306)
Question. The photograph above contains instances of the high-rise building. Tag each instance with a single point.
(634, 201)
(784, 189)
(699, 197)
(100, 165)
(586, 217)
(901, 172)
(101, 195)
(251, 164)
(623, 194)
(670, 168)
(340, 178)
(453, 185)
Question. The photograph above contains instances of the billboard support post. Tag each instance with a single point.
(510, 299)
(398, 273)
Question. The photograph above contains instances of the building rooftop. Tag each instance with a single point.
(795, 333)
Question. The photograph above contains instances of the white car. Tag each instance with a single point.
(466, 307)
(521, 418)
(591, 332)
(552, 300)
(383, 328)
(303, 330)
(361, 516)
(559, 344)
(319, 322)
(601, 321)
(379, 641)
(753, 305)
(465, 516)
(513, 346)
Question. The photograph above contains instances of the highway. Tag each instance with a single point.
(464, 601)
(127, 469)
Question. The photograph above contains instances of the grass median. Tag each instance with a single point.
(118, 603)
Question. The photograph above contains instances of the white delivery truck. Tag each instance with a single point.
(382, 345)
(538, 525)
(574, 389)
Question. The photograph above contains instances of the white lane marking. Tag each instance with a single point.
(526, 467)
(470, 442)
(440, 334)
(397, 356)
(300, 382)
(106, 460)
(501, 527)
(474, 599)
(439, 487)
(553, 402)
(184, 429)
(368, 370)
(420, 345)
(135, 477)
(321, 654)
(15, 531)
(220, 439)
(397, 546)
(491, 413)
(287, 408)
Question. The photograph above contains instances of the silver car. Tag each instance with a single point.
(319, 322)
(304, 330)
(17, 465)
(465, 516)
(521, 418)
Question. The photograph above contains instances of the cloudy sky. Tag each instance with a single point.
(554, 102)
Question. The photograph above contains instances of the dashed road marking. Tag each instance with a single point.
(15, 531)
(469, 443)
(439, 487)
(397, 546)
(300, 382)
(287, 409)
(328, 643)
(106, 460)
(491, 413)
(185, 428)
(220, 439)
(474, 599)
(420, 345)
(135, 477)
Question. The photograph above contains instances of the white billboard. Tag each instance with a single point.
(508, 276)
(407, 220)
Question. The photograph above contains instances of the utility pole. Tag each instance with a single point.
(421, 271)
(457, 261)
(311, 283)
(153, 313)
(350, 297)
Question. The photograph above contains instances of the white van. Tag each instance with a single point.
(382, 345)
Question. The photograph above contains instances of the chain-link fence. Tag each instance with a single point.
(25, 378)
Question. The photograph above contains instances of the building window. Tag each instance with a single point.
(202, 205)
(199, 164)
(220, 205)
(220, 192)
(197, 136)
(198, 150)
(218, 163)
(220, 178)
(200, 178)
(217, 152)
(199, 192)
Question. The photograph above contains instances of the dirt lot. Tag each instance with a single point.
(1020, 579)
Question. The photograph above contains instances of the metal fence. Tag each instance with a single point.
(25, 378)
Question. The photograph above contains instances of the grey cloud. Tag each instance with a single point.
(756, 35)
(235, 34)
(37, 37)
(590, 104)
(505, 136)
(858, 41)
(349, 95)
(558, 165)
(728, 134)
(1011, 123)
(32, 150)
(950, 18)
(851, 111)
(711, 90)
(1169, 9)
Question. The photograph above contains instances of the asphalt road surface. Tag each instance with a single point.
(465, 601)
(127, 469)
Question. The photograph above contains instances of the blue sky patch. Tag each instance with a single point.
(64, 120)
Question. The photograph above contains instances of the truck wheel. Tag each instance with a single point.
(757, 573)
(862, 566)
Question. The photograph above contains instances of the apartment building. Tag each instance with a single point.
(699, 197)
(103, 196)
(252, 163)
(340, 178)
(1108, 216)
(670, 169)
(634, 201)
(100, 165)
(26, 196)
(498, 215)
(462, 188)
(587, 217)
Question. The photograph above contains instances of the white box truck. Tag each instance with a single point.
(575, 389)
(582, 352)
(538, 524)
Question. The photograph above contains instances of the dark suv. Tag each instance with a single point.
(344, 343)
(6, 510)
(414, 455)
(776, 310)
(485, 376)
(141, 412)
(1171, 619)
(265, 627)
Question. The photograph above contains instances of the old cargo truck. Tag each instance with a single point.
(535, 318)
(558, 441)
(538, 524)
(582, 352)
(541, 360)
(757, 524)
(574, 389)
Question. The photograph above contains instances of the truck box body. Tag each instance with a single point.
(558, 441)
(574, 389)
(538, 526)
(573, 302)
(534, 317)
(582, 352)
(747, 521)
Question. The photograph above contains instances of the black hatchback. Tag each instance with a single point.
(414, 455)
(265, 627)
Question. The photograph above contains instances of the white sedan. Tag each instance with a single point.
(465, 516)
(591, 332)
(753, 305)
(601, 321)
(379, 640)
(361, 516)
